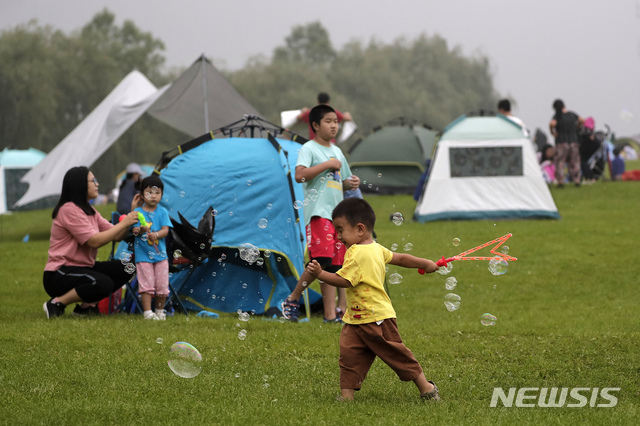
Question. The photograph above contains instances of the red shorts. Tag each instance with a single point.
(322, 241)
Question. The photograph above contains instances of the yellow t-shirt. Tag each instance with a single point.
(364, 267)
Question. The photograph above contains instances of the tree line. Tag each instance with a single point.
(50, 81)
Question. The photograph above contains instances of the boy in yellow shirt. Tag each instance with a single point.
(370, 328)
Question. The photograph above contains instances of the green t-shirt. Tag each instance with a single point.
(322, 193)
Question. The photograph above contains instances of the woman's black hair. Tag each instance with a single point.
(558, 105)
(75, 186)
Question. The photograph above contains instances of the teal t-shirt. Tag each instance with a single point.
(322, 193)
(145, 252)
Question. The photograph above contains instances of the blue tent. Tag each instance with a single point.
(249, 184)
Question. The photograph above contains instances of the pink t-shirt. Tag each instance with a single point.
(70, 230)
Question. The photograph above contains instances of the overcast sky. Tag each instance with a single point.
(585, 52)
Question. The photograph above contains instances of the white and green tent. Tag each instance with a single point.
(484, 168)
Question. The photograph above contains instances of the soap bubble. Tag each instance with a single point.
(394, 247)
(129, 268)
(202, 246)
(313, 194)
(214, 212)
(237, 375)
(249, 183)
(262, 223)
(244, 285)
(505, 250)
(185, 360)
(397, 218)
(249, 252)
(182, 193)
(408, 247)
(379, 175)
(242, 334)
(159, 340)
(452, 302)
(243, 316)
(488, 320)
(177, 254)
(498, 266)
(267, 253)
(456, 241)
(445, 270)
(298, 204)
(395, 278)
(450, 283)
(259, 261)
(269, 206)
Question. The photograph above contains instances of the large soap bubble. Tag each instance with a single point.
(498, 266)
(185, 360)
(249, 252)
(452, 302)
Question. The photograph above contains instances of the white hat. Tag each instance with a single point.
(134, 168)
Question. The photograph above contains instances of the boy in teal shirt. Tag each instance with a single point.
(323, 169)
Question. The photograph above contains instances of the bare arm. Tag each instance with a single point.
(552, 128)
(409, 261)
(156, 236)
(308, 173)
(346, 116)
(330, 278)
(116, 233)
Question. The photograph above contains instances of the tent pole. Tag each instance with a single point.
(205, 94)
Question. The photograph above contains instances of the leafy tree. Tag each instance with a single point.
(307, 43)
(49, 82)
(422, 79)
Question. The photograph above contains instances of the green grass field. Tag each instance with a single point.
(567, 317)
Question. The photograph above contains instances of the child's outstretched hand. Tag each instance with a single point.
(314, 268)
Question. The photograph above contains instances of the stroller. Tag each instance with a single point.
(593, 150)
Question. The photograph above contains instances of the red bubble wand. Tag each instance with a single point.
(465, 254)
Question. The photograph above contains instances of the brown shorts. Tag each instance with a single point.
(361, 343)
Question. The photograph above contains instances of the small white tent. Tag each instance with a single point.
(484, 168)
(199, 100)
(14, 164)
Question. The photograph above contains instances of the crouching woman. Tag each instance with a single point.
(72, 274)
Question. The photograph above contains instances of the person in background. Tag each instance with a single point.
(564, 127)
(504, 108)
(323, 99)
(128, 188)
(72, 274)
(617, 165)
(546, 164)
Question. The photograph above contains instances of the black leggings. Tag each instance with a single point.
(92, 284)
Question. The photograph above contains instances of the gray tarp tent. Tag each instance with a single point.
(199, 100)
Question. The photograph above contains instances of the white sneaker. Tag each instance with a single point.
(161, 315)
(149, 315)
